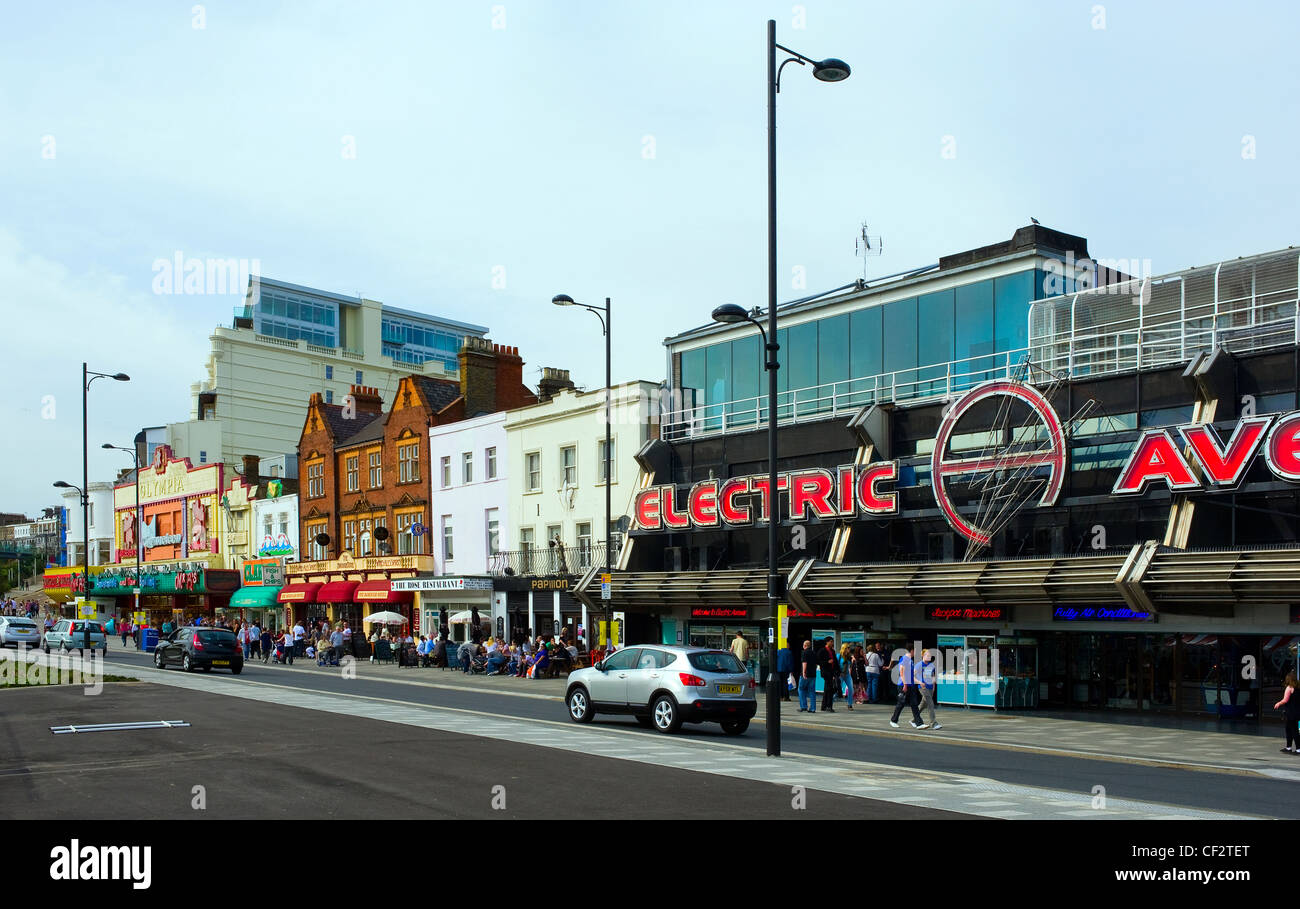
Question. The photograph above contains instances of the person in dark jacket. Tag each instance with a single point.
(808, 678)
(785, 665)
(829, 663)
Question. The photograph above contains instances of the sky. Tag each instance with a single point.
(473, 159)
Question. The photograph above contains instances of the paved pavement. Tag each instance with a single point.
(1129, 741)
(960, 792)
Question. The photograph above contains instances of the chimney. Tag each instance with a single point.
(251, 467)
(478, 375)
(553, 381)
(511, 392)
(366, 400)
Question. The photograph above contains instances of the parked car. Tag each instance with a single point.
(19, 631)
(664, 686)
(70, 634)
(196, 647)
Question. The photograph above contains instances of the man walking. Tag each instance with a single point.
(808, 679)
(830, 666)
(929, 676)
(740, 648)
(907, 696)
(874, 665)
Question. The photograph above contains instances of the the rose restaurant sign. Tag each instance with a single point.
(853, 492)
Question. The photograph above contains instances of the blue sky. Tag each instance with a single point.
(593, 148)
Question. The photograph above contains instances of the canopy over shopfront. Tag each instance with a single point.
(382, 592)
(337, 592)
(255, 598)
(298, 593)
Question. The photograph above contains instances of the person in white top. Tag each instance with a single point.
(298, 634)
(874, 665)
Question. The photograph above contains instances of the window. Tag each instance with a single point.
(203, 457)
(493, 532)
(866, 353)
(408, 463)
(386, 546)
(360, 381)
(266, 529)
(329, 373)
(350, 536)
(600, 457)
(446, 472)
(329, 396)
(376, 469)
(569, 465)
(354, 481)
(363, 540)
(527, 543)
(467, 467)
(447, 555)
(407, 542)
(533, 467)
(491, 457)
(584, 545)
(315, 480)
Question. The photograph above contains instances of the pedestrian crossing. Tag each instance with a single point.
(945, 791)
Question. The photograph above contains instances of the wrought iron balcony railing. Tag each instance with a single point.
(550, 560)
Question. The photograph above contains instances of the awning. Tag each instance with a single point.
(381, 592)
(298, 593)
(254, 598)
(337, 592)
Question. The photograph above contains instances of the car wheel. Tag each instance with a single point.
(644, 722)
(158, 659)
(186, 664)
(579, 703)
(665, 714)
(735, 727)
(236, 670)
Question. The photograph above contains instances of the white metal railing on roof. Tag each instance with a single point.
(1243, 305)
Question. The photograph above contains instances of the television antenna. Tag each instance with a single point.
(866, 245)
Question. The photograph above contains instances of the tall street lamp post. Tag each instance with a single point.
(566, 300)
(828, 70)
(134, 451)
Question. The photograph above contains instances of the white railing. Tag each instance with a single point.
(1242, 305)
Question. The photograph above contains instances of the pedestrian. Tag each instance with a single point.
(347, 637)
(785, 667)
(907, 696)
(254, 641)
(289, 643)
(1290, 703)
(874, 662)
(740, 648)
(126, 630)
(858, 676)
(268, 645)
(830, 669)
(845, 689)
(808, 679)
(299, 638)
(928, 680)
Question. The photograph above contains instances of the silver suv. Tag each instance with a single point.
(70, 634)
(664, 686)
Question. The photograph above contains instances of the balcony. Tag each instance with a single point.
(550, 560)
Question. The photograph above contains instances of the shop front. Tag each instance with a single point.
(257, 601)
(546, 605)
(175, 593)
(349, 589)
(449, 604)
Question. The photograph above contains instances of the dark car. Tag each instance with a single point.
(196, 647)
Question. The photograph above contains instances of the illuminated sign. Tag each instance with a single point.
(1158, 458)
(967, 613)
(1100, 614)
(719, 612)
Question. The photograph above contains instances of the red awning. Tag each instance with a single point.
(337, 592)
(382, 592)
(298, 593)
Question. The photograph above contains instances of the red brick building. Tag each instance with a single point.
(365, 482)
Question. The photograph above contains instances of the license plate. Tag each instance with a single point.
(221, 662)
(728, 689)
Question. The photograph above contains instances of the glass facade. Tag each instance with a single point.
(285, 314)
(408, 341)
(913, 338)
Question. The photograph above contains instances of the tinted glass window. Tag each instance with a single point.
(716, 661)
(216, 637)
(718, 367)
(655, 659)
(833, 349)
(865, 346)
(801, 355)
(747, 367)
(624, 659)
(900, 334)
(1011, 297)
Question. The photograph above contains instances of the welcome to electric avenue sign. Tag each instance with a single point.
(862, 491)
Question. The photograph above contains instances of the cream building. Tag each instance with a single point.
(289, 341)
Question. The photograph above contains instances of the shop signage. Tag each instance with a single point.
(404, 584)
(967, 613)
(1159, 458)
(373, 563)
(1101, 614)
(719, 612)
(264, 573)
(800, 614)
(549, 584)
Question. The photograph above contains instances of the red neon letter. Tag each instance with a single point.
(647, 509)
(1283, 449)
(869, 500)
(1156, 457)
(811, 488)
(1225, 467)
(673, 519)
(731, 512)
(844, 495)
(703, 504)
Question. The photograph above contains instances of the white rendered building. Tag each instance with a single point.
(470, 523)
(101, 524)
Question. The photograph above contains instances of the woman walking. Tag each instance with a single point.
(1290, 705)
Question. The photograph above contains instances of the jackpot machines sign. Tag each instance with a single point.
(1025, 462)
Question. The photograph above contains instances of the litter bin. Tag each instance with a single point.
(148, 639)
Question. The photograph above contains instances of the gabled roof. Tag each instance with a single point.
(368, 431)
(437, 393)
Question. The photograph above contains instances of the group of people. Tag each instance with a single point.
(524, 657)
(26, 608)
(858, 675)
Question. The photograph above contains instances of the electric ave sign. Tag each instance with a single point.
(1035, 453)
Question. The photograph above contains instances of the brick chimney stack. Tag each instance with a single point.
(553, 381)
(251, 468)
(478, 375)
(366, 400)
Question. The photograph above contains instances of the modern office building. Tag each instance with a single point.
(1085, 494)
(288, 342)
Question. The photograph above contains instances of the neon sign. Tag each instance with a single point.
(1100, 614)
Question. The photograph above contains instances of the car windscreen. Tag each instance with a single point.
(95, 627)
(20, 623)
(715, 661)
(216, 637)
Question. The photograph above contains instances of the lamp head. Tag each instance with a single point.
(106, 445)
(831, 70)
(122, 377)
(62, 485)
(562, 300)
(730, 313)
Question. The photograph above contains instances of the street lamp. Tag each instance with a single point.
(134, 451)
(566, 300)
(828, 70)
